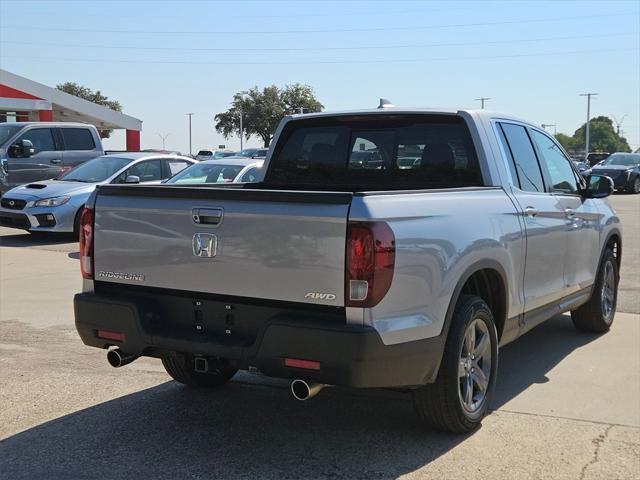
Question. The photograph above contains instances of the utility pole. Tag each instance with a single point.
(242, 94)
(482, 100)
(190, 115)
(164, 138)
(301, 110)
(618, 124)
(555, 131)
(586, 136)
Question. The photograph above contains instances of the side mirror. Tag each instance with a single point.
(24, 148)
(132, 179)
(598, 186)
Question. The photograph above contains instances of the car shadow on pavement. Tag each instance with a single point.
(36, 239)
(252, 428)
(242, 430)
(527, 360)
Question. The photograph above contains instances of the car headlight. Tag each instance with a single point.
(52, 202)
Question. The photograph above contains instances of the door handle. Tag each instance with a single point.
(569, 212)
(55, 161)
(530, 212)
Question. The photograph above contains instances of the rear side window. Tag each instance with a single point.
(521, 153)
(175, 166)
(381, 152)
(77, 139)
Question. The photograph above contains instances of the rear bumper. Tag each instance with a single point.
(349, 355)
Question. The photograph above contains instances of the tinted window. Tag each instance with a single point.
(524, 157)
(175, 166)
(77, 139)
(375, 152)
(625, 159)
(205, 152)
(561, 174)
(42, 139)
(149, 171)
(7, 131)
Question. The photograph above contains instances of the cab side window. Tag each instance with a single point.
(561, 175)
(149, 171)
(521, 153)
(42, 139)
(77, 139)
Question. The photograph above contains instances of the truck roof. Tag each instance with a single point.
(55, 124)
(484, 114)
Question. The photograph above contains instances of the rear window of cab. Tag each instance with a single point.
(375, 152)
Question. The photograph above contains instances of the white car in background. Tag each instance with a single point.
(227, 170)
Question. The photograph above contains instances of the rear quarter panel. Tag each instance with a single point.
(439, 236)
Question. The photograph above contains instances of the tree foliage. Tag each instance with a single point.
(602, 137)
(263, 109)
(86, 93)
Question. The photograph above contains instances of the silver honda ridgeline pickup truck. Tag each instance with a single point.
(386, 248)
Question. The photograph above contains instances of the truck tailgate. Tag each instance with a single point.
(277, 245)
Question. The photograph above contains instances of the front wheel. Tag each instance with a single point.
(636, 185)
(597, 314)
(459, 398)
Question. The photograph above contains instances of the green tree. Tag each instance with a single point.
(602, 136)
(86, 93)
(263, 109)
(566, 141)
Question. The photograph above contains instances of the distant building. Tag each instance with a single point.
(29, 101)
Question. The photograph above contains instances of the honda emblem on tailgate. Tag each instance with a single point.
(205, 245)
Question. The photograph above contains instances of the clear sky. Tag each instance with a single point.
(162, 59)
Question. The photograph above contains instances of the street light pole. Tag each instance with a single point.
(242, 94)
(164, 138)
(586, 136)
(482, 100)
(190, 115)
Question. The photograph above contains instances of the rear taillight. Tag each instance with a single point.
(86, 242)
(371, 254)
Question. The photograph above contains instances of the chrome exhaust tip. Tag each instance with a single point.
(302, 390)
(117, 358)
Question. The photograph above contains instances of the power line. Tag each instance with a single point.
(307, 31)
(322, 62)
(306, 49)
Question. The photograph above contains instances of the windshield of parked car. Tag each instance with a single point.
(7, 131)
(207, 173)
(625, 160)
(96, 170)
(205, 153)
(221, 154)
(375, 152)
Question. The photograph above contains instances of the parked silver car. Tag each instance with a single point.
(54, 205)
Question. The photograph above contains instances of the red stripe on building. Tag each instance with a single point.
(9, 92)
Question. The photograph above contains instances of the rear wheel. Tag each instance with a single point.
(181, 367)
(597, 314)
(636, 185)
(459, 398)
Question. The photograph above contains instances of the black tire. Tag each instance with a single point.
(593, 316)
(440, 405)
(182, 369)
(76, 223)
(636, 185)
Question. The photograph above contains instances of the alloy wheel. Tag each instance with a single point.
(474, 367)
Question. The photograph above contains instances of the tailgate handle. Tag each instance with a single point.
(207, 216)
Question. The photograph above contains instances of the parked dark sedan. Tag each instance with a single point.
(623, 169)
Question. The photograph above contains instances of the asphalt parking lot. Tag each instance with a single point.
(566, 405)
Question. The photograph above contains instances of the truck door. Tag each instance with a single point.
(581, 214)
(544, 219)
(45, 163)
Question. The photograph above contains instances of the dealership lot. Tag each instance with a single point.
(566, 403)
